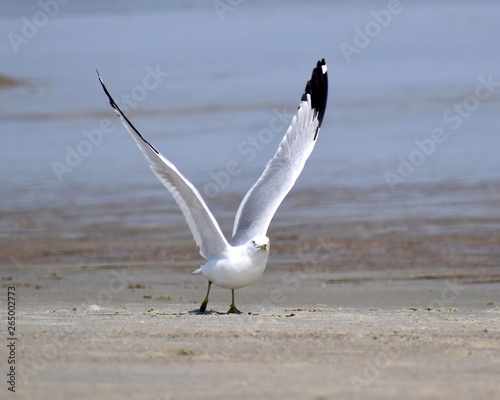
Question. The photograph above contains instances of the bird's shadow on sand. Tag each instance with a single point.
(213, 312)
(207, 312)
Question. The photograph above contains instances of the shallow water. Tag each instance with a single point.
(238, 75)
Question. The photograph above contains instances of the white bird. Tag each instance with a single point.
(241, 262)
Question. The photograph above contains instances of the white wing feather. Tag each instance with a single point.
(263, 199)
(206, 232)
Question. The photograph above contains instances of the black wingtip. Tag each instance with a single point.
(317, 88)
(120, 112)
(110, 98)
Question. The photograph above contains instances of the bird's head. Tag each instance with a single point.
(259, 243)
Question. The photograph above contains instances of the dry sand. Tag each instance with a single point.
(110, 334)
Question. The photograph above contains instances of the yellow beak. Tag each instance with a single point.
(263, 247)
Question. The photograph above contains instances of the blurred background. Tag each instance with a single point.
(411, 129)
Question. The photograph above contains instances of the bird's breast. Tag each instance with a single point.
(234, 272)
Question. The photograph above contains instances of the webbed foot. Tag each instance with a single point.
(203, 306)
(234, 310)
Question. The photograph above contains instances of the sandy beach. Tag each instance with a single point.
(350, 310)
(383, 280)
(413, 337)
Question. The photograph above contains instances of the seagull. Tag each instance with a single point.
(242, 261)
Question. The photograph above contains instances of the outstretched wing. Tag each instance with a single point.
(263, 199)
(206, 231)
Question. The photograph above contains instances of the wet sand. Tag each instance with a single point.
(349, 307)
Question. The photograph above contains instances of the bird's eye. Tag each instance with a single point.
(253, 241)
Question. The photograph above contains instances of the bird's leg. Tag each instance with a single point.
(205, 302)
(233, 309)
